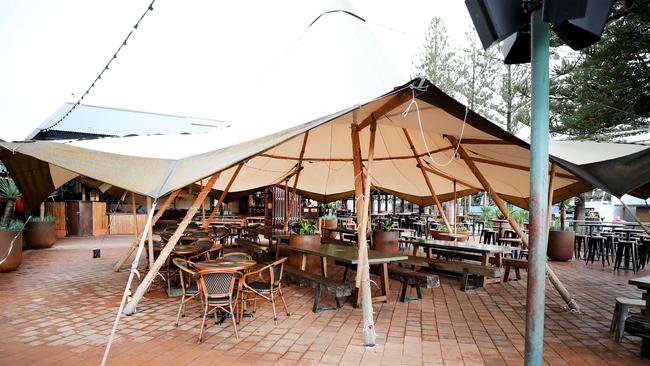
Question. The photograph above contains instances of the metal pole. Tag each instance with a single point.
(538, 190)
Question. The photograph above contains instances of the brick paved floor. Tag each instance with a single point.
(58, 308)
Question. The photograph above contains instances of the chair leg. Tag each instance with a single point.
(205, 314)
(180, 309)
(286, 309)
(612, 325)
(234, 323)
(275, 315)
(620, 327)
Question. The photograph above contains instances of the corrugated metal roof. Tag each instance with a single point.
(106, 121)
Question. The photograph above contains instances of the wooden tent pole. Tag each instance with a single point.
(295, 182)
(207, 222)
(135, 217)
(566, 295)
(170, 199)
(455, 207)
(551, 179)
(150, 233)
(164, 254)
(202, 204)
(362, 193)
(426, 179)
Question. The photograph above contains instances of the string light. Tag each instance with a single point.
(104, 69)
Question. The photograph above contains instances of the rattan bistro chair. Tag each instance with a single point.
(268, 289)
(219, 293)
(189, 286)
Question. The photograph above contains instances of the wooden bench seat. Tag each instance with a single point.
(410, 277)
(466, 269)
(321, 284)
(515, 263)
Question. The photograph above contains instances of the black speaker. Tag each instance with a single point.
(582, 32)
(516, 48)
(558, 10)
(495, 20)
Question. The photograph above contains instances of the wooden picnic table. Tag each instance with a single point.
(350, 255)
(643, 283)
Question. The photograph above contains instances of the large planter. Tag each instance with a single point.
(439, 234)
(385, 241)
(560, 245)
(13, 254)
(325, 223)
(41, 235)
(305, 241)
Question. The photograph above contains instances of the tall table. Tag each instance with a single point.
(342, 230)
(643, 283)
(627, 232)
(350, 255)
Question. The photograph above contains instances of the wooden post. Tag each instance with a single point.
(295, 182)
(170, 199)
(202, 204)
(566, 295)
(551, 179)
(135, 217)
(362, 193)
(207, 222)
(455, 207)
(150, 233)
(426, 179)
(164, 254)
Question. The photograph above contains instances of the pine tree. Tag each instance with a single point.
(436, 60)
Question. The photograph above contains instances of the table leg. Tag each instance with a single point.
(323, 263)
(303, 264)
(383, 272)
(485, 261)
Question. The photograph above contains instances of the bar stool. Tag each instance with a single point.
(488, 236)
(595, 248)
(625, 248)
(479, 226)
(642, 249)
(578, 243)
(621, 310)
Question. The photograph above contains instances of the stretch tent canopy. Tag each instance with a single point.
(156, 165)
(616, 168)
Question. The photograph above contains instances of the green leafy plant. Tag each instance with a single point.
(304, 228)
(487, 213)
(386, 225)
(46, 218)
(9, 191)
(556, 225)
(14, 225)
(461, 229)
(519, 215)
(442, 227)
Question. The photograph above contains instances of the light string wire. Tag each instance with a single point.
(424, 140)
(106, 67)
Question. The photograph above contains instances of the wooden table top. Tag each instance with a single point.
(459, 246)
(229, 263)
(625, 230)
(349, 254)
(187, 249)
(641, 282)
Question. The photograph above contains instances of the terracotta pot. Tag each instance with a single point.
(462, 239)
(560, 245)
(40, 235)
(385, 241)
(305, 241)
(328, 223)
(15, 258)
(439, 234)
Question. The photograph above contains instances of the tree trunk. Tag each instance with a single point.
(8, 214)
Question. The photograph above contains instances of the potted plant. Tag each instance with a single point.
(560, 242)
(440, 232)
(41, 232)
(11, 240)
(303, 235)
(328, 221)
(462, 230)
(11, 245)
(385, 239)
